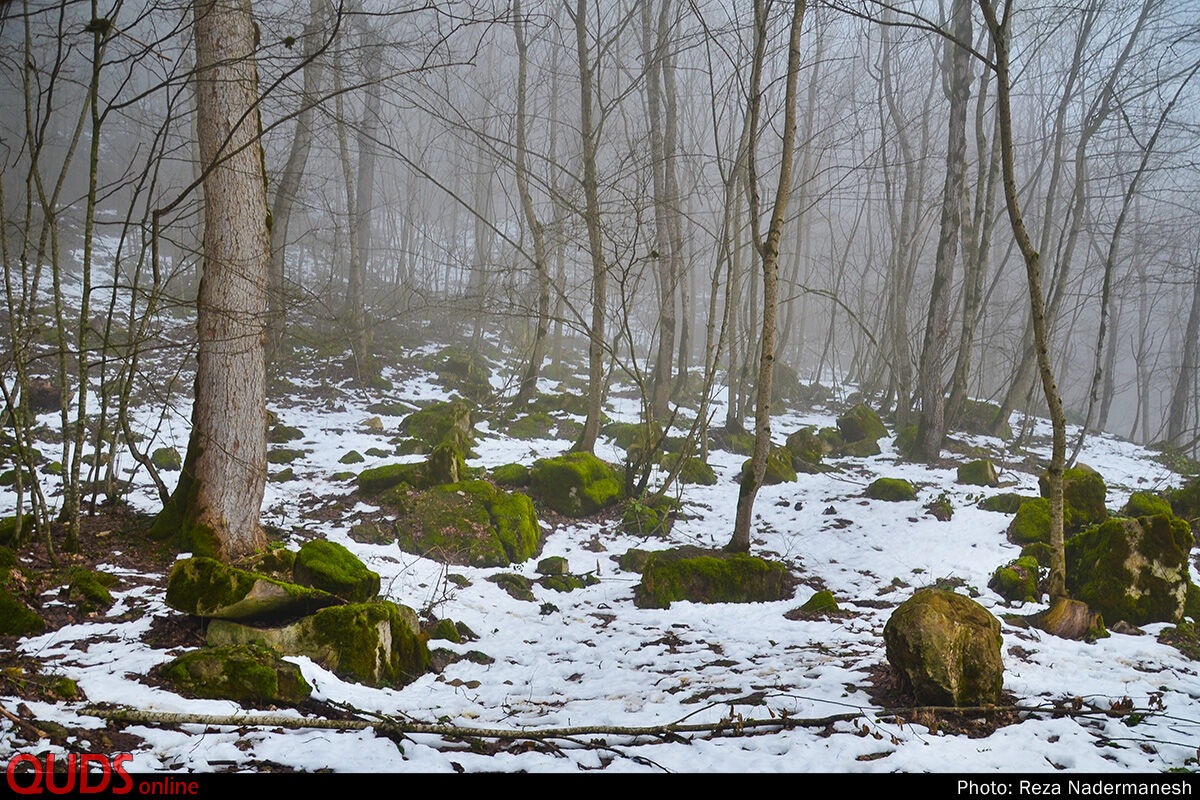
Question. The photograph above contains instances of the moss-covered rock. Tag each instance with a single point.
(516, 586)
(940, 508)
(1007, 503)
(448, 422)
(1032, 522)
(352, 457)
(567, 583)
(1017, 581)
(1184, 637)
(446, 630)
(1185, 502)
(8, 529)
(1071, 619)
(822, 602)
(978, 417)
(538, 425)
(1083, 498)
(282, 434)
(89, 588)
(16, 618)
(511, 475)
(373, 533)
(626, 434)
(1039, 552)
(907, 439)
(891, 489)
(864, 448)
(167, 459)
(1132, 569)
(978, 473)
(649, 518)
(379, 644)
(861, 423)
(576, 484)
(283, 476)
(283, 455)
(330, 567)
(206, 587)
(246, 673)
(471, 522)
(807, 446)
(945, 648)
(779, 467)
(695, 470)
(738, 442)
(463, 371)
(1144, 504)
(553, 565)
(634, 559)
(712, 576)
(444, 465)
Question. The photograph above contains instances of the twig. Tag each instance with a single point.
(26, 725)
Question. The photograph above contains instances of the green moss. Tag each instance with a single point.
(64, 688)
(444, 465)
(1032, 522)
(633, 559)
(553, 565)
(283, 476)
(779, 467)
(448, 422)
(1184, 637)
(167, 459)
(1132, 569)
(8, 529)
(463, 371)
(445, 629)
(389, 408)
(372, 533)
(576, 484)
(373, 643)
(651, 518)
(626, 434)
(518, 587)
(8, 558)
(511, 475)
(245, 673)
(207, 588)
(979, 417)
(737, 442)
(694, 471)
(472, 522)
(538, 425)
(822, 602)
(941, 508)
(860, 423)
(352, 457)
(1143, 504)
(283, 455)
(863, 448)
(567, 583)
(713, 577)
(282, 434)
(330, 567)
(1185, 502)
(1039, 552)
(891, 489)
(1017, 581)
(1083, 498)
(1007, 503)
(379, 452)
(978, 473)
(1191, 604)
(89, 588)
(906, 440)
(17, 619)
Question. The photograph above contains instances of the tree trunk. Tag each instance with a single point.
(216, 505)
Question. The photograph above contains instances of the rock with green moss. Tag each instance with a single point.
(1032, 522)
(738, 442)
(778, 469)
(16, 618)
(461, 370)
(472, 523)
(634, 559)
(1144, 504)
(8, 529)
(246, 673)
(88, 589)
(978, 473)
(553, 565)
(511, 475)
(575, 484)
(807, 446)
(1039, 552)
(378, 644)
(1083, 498)
(352, 457)
(695, 470)
(167, 459)
(979, 418)
(446, 630)
(1017, 581)
(1134, 570)
(567, 583)
(538, 425)
(649, 517)
(447, 422)
(819, 605)
(1071, 619)
(1007, 503)
(861, 423)
(1184, 637)
(283, 476)
(891, 489)
(516, 586)
(330, 567)
(282, 434)
(276, 562)
(1191, 604)
(945, 649)
(206, 587)
(864, 448)
(283, 455)
(907, 439)
(940, 508)
(710, 576)
(1185, 502)
(373, 533)
(444, 465)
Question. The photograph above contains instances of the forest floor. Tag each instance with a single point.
(590, 657)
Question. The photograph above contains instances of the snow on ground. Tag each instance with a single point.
(599, 660)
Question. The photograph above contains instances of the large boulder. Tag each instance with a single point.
(1132, 569)
(980, 418)
(945, 648)
(978, 473)
(1185, 502)
(1031, 523)
(779, 467)
(893, 490)
(461, 370)
(16, 618)
(248, 673)
(444, 465)
(1083, 498)
(332, 568)
(576, 484)
(471, 523)
(710, 576)
(448, 422)
(1017, 581)
(861, 423)
(808, 447)
(206, 587)
(379, 644)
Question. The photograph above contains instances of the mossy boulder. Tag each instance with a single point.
(576, 484)
(567, 583)
(330, 567)
(206, 587)
(518, 587)
(891, 489)
(695, 470)
(940, 508)
(779, 467)
(1185, 502)
(978, 473)
(283, 455)
(945, 649)
(553, 565)
(807, 446)
(472, 523)
(463, 371)
(538, 425)
(1039, 552)
(16, 618)
(167, 459)
(864, 448)
(352, 457)
(650, 517)
(1083, 498)
(89, 588)
(1017, 581)
(449, 422)
(511, 475)
(8, 529)
(1031, 523)
(978, 417)
(737, 442)
(626, 434)
(446, 630)
(1134, 570)
(1144, 504)
(822, 602)
(282, 434)
(444, 465)
(710, 576)
(378, 644)
(861, 423)
(1007, 503)
(247, 673)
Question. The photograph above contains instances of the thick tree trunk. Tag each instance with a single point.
(217, 502)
